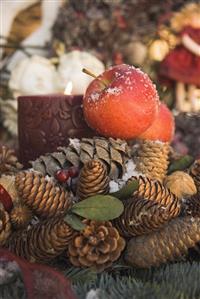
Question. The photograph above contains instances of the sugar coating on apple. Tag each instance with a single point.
(162, 128)
(121, 103)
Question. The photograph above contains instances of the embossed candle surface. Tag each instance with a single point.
(48, 121)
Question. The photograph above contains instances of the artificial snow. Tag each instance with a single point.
(75, 143)
(93, 294)
(114, 90)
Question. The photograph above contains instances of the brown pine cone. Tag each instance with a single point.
(195, 174)
(20, 216)
(141, 217)
(192, 205)
(155, 191)
(181, 184)
(8, 161)
(97, 246)
(152, 159)
(43, 241)
(93, 180)
(171, 243)
(113, 153)
(5, 226)
(42, 195)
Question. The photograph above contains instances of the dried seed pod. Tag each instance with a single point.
(97, 246)
(20, 216)
(42, 195)
(43, 241)
(171, 243)
(194, 171)
(181, 184)
(113, 153)
(5, 226)
(152, 159)
(93, 180)
(8, 161)
(141, 217)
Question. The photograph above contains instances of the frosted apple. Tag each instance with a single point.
(162, 128)
(121, 103)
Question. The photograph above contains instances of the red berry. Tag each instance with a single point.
(62, 175)
(73, 172)
(5, 199)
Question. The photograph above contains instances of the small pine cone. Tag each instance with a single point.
(43, 241)
(155, 191)
(41, 195)
(20, 216)
(8, 161)
(140, 217)
(181, 184)
(195, 174)
(93, 180)
(152, 159)
(97, 246)
(113, 153)
(171, 243)
(5, 226)
(192, 205)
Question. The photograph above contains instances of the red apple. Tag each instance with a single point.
(162, 128)
(121, 103)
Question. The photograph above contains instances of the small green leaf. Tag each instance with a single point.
(99, 207)
(181, 164)
(74, 222)
(127, 190)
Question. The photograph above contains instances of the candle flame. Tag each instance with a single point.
(68, 89)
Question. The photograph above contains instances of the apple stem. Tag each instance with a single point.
(94, 76)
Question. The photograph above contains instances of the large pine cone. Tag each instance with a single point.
(43, 241)
(41, 195)
(171, 243)
(155, 191)
(112, 152)
(140, 217)
(152, 159)
(195, 174)
(97, 246)
(181, 184)
(8, 161)
(5, 226)
(93, 179)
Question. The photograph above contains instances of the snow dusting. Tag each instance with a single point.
(114, 90)
(93, 294)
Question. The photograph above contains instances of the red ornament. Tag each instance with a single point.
(62, 175)
(5, 199)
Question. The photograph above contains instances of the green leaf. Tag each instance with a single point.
(181, 164)
(99, 207)
(74, 222)
(127, 190)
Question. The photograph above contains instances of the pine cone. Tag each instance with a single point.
(192, 206)
(156, 192)
(8, 161)
(140, 217)
(93, 179)
(152, 159)
(43, 241)
(171, 243)
(97, 246)
(5, 226)
(112, 152)
(181, 184)
(195, 174)
(20, 216)
(41, 195)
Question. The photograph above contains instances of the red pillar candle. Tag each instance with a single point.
(48, 121)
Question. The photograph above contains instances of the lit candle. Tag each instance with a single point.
(48, 121)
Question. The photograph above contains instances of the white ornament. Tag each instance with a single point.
(35, 75)
(70, 69)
